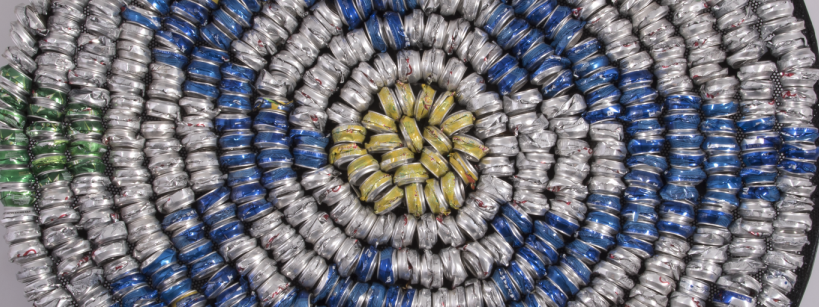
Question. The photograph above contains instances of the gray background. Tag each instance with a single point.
(11, 291)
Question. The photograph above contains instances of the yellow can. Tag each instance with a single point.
(272, 103)
(391, 200)
(349, 133)
(411, 133)
(441, 108)
(410, 173)
(424, 101)
(456, 122)
(393, 159)
(389, 103)
(414, 196)
(374, 185)
(435, 197)
(464, 169)
(434, 162)
(384, 142)
(470, 146)
(439, 141)
(379, 123)
(345, 153)
(358, 170)
(406, 98)
(453, 189)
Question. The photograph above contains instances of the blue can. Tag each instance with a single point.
(308, 137)
(212, 198)
(236, 86)
(219, 281)
(385, 270)
(605, 203)
(676, 229)
(760, 157)
(602, 113)
(238, 72)
(515, 217)
(720, 108)
(374, 33)
(240, 10)
(682, 121)
(235, 139)
(520, 279)
(191, 11)
(310, 157)
(143, 17)
(167, 257)
(407, 298)
(728, 297)
(139, 294)
(247, 192)
(679, 209)
(182, 26)
(357, 292)
(197, 252)
(799, 134)
(683, 102)
(226, 121)
(719, 198)
(178, 217)
(753, 124)
(643, 231)
(204, 71)
(551, 62)
(561, 224)
(501, 67)
(552, 292)
(532, 258)
(378, 294)
(648, 126)
(722, 163)
(691, 139)
(243, 175)
(272, 178)
(226, 231)
(558, 84)
(505, 285)
(598, 78)
(530, 39)
(797, 167)
(567, 33)
(577, 266)
(536, 55)
(686, 157)
(645, 145)
(565, 285)
(718, 125)
(215, 36)
(545, 250)
(638, 95)
(641, 195)
(636, 79)
(367, 263)
(253, 210)
(173, 293)
(237, 159)
(758, 174)
(543, 10)
(274, 158)
(188, 236)
(211, 54)
(605, 219)
(396, 28)
(551, 27)
(509, 232)
(200, 90)
(589, 65)
(761, 140)
(513, 81)
(597, 239)
(126, 283)
(714, 217)
(673, 191)
(160, 6)
(177, 42)
(764, 192)
(583, 49)
(636, 245)
(393, 295)
(328, 281)
(227, 23)
(685, 176)
(602, 95)
(720, 144)
(343, 286)
(545, 232)
(270, 119)
(502, 13)
(639, 111)
(238, 290)
(583, 250)
(724, 182)
(795, 151)
(637, 212)
(170, 57)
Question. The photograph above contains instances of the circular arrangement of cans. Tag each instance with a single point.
(258, 191)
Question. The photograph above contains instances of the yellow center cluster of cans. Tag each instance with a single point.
(422, 166)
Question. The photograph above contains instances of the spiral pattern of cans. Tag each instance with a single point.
(281, 139)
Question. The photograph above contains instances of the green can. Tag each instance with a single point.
(47, 178)
(17, 201)
(44, 129)
(89, 127)
(49, 146)
(16, 77)
(57, 96)
(13, 137)
(87, 148)
(48, 162)
(12, 100)
(86, 165)
(14, 157)
(12, 118)
(16, 175)
(45, 111)
(77, 111)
